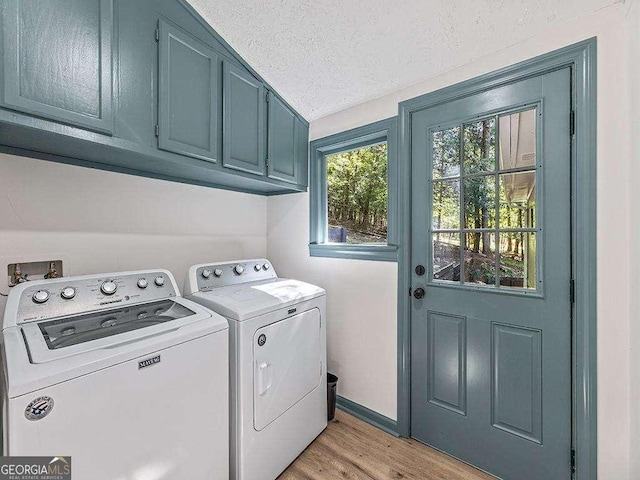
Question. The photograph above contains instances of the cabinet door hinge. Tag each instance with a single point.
(157, 34)
(573, 460)
(572, 122)
(266, 162)
(157, 130)
(572, 291)
(266, 96)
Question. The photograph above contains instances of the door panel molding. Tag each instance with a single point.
(442, 390)
(516, 393)
(581, 59)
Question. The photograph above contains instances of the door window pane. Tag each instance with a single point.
(518, 260)
(479, 146)
(446, 256)
(357, 195)
(479, 202)
(518, 200)
(446, 153)
(480, 258)
(446, 204)
(495, 187)
(517, 140)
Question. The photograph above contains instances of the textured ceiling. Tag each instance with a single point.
(327, 55)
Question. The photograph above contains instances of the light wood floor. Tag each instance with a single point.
(354, 450)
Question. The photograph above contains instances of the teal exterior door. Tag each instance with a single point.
(491, 278)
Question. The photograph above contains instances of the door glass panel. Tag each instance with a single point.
(446, 256)
(446, 204)
(446, 153)
(479, 202)
(495, 191)
(518, 260)
(480, 258)
(479, 146)
(517, 133)
(518, 200)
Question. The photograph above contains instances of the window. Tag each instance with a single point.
(483, 195)
(353, 193)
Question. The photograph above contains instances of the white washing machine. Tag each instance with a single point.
(278, 388)
(118, 372)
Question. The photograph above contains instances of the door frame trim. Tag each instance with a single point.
(581, 58)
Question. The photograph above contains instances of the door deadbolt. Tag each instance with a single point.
(420, 270)
(418, 293)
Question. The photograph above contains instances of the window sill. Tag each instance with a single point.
(381, 253)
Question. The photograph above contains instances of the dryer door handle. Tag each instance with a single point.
(265, 378)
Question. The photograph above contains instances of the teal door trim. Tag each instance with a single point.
(581, 58)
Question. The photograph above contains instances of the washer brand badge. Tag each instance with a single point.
(35, 468)
(39, 408)
(148, 362)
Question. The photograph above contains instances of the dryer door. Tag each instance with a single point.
(287, 365)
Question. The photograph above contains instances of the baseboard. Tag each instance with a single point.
(367, 415)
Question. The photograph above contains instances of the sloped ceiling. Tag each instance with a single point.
(327, 55)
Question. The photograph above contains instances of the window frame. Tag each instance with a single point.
(374, 133)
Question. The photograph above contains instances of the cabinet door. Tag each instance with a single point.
(282, 141)
(243, 117)
(57, 60)
(302, 153)
(188, 95)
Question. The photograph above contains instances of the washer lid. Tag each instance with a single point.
(241, 302)
(109, 329)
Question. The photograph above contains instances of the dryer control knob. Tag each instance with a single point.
(68, 293)
(238, 269)
(143, 283)
(266, 266)
(159, 281)
(206, 273)
(257, 268)
(109, 287)
(40, 296)
(218, 272)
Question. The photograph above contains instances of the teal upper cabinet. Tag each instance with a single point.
(282, 141)
(302, 152)
(188, 95)
(243, 124)
(57, 60)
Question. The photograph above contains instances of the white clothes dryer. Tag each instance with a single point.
(278, 368)
(118, 372)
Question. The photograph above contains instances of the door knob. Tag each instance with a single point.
(418, 293)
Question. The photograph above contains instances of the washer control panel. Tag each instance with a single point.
(73, 295)
(233, 273)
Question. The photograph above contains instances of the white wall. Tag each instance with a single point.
(633, 29)
(104, 222)
(361, 294)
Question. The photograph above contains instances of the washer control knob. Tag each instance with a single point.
(266, 266)
(109, 287)
(257, 268)
(40, 296)
(68, 293)
(143, 283)
(206, 273)
(218, 272)
(159, 281)
(238, 269)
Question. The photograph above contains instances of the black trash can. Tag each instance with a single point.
(332, 386)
